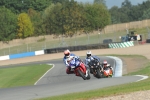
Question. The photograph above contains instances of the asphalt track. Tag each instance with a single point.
(57, 82)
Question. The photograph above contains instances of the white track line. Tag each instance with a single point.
(119, 66)
(143, 77)
(45, 73)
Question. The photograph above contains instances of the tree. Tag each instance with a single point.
(100, 2)
(58, 1)
(63, 18)
(136, 13)
(53, 19)
(25, 27)
(37, 20)
(143, 9)
(129, 12)
(8, 24)
(69, 17)
(115, 15)
(126, 9)
(19, 6)
(74, 17)
(97, 17)
(126, 3)
(146, 14)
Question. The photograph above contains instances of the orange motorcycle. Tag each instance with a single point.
(108, 72)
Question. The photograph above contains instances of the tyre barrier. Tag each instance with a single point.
(148, 41)
(121, 45)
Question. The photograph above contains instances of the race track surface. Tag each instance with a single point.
(57, 82)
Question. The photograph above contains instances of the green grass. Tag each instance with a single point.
(21, 76)
(114, 90)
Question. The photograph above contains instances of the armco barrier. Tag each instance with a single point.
(4, 57)
(40, 52)
(77, 48)
(22, 55)
(121, 45)
(54, 50)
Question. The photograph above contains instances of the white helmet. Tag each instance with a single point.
(105, 62)
(88, 54)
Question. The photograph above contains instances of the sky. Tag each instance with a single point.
(111, 3)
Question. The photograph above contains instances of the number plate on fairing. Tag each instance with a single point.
(72, 67)
(107, 71)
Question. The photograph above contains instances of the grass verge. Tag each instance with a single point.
(110, 91)
(22, 75)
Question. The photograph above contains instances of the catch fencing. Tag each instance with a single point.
(124, 26)
(111, 33)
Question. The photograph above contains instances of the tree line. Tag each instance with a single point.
(25, 18)
(128, 12)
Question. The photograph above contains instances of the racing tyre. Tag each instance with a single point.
(98, 75)
(91, 70)
(81, 74)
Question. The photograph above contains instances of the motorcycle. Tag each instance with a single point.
(79, 70)
(108, 72)
(96, 68)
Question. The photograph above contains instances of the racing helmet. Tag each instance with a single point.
(105, 62)
(88, 54)
(67, 53)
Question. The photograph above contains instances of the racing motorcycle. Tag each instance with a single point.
(95, 68)
(108, 72)
(79, 70)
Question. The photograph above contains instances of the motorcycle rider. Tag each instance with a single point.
(89, 58)
(68, 56)
(106, 65)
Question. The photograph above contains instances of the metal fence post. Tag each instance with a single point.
(88, 38)
(148, 32)
(27, 47)
(99, 37)
(9, 50)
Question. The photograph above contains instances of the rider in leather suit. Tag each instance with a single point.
(106, 65)
(67, 57)
(89, 58)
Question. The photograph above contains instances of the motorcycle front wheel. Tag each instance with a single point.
(98, 74)
(81, 74)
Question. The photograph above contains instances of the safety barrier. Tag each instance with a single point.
(76, 48)
(54, 50)
(22, 55)
(121, 45)
(148, 41)
(73, 48)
